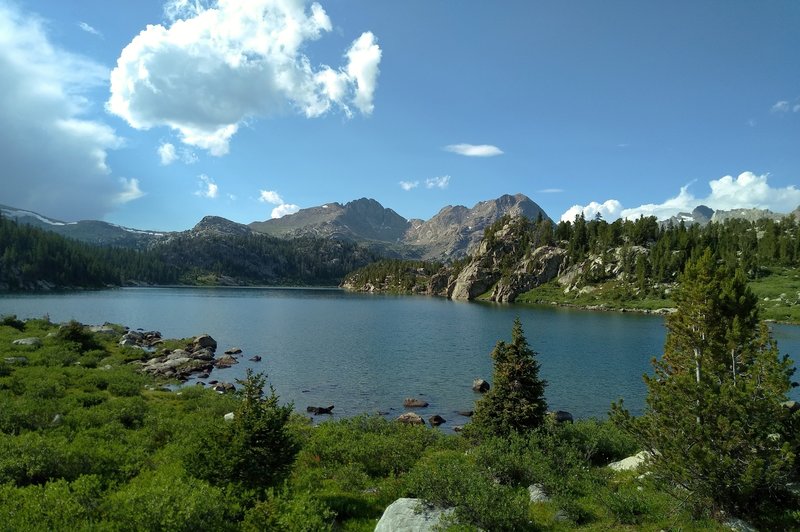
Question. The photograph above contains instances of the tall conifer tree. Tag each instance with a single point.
(714, 423)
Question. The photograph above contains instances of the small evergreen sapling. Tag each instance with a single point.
(515, 403)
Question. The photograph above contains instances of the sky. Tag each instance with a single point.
(153, 114)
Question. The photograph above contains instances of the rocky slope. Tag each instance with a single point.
(89, 231)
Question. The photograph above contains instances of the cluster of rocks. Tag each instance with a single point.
(141, 339)
(197, 357)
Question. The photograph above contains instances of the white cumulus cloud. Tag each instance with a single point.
(269, 196)
(610, 210)
(207, 188)
(408, 185)
(747, 190)
(283, 209)
(437, 182)
(214, 66)
(53, 152)
(474, 150)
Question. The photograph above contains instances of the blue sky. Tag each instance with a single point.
(151, 114)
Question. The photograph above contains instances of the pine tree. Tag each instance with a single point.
(515, 403)
(714, 424)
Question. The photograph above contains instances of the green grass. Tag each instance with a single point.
(779, 294)
(778, 291)
(611, 295)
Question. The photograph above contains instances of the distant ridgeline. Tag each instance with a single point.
(35, 259)
(593, 262)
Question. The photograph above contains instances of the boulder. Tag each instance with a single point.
(16, 361)
(317, 410)
(436, 420)
(480, 386)
(465, 413)
(410, 418)
(226, 361)
(233, 351)
(35, 342)
(229, 417)
(256, 358)
(413, 402)
(537, 493)
(792, 406)
(561, 416)
(205, 340)
(411, 515)
(630, 463)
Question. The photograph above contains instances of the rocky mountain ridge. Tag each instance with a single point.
(451, 233)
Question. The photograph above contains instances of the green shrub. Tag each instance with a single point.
(10, 320)
(452, 479)
(57, 505)
(599, 442)
(380, 447)
(76, 333)
(299, 512)
(168, 499)
(507, 460)
(629, 504)
(255, 450)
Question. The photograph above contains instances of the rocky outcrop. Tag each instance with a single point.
(197, 357)
(411, 515)
(489, 266)
(541, 267)
(413, 402)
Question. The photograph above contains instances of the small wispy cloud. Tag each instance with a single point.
(550, 190)
(168, 154)
(130, 191)
(89, 29)
(781, 107)
(474, 150)
(437, 182)
(752, 122)
(623, 145)
(408, 185)
(207, 187)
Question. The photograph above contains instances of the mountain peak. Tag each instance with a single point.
(219, 226)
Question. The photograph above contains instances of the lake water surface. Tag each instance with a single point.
(366, 353)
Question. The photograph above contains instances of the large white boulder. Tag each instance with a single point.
(630, 463)
(410, 515)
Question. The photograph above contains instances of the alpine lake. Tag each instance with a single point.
(365, 353)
